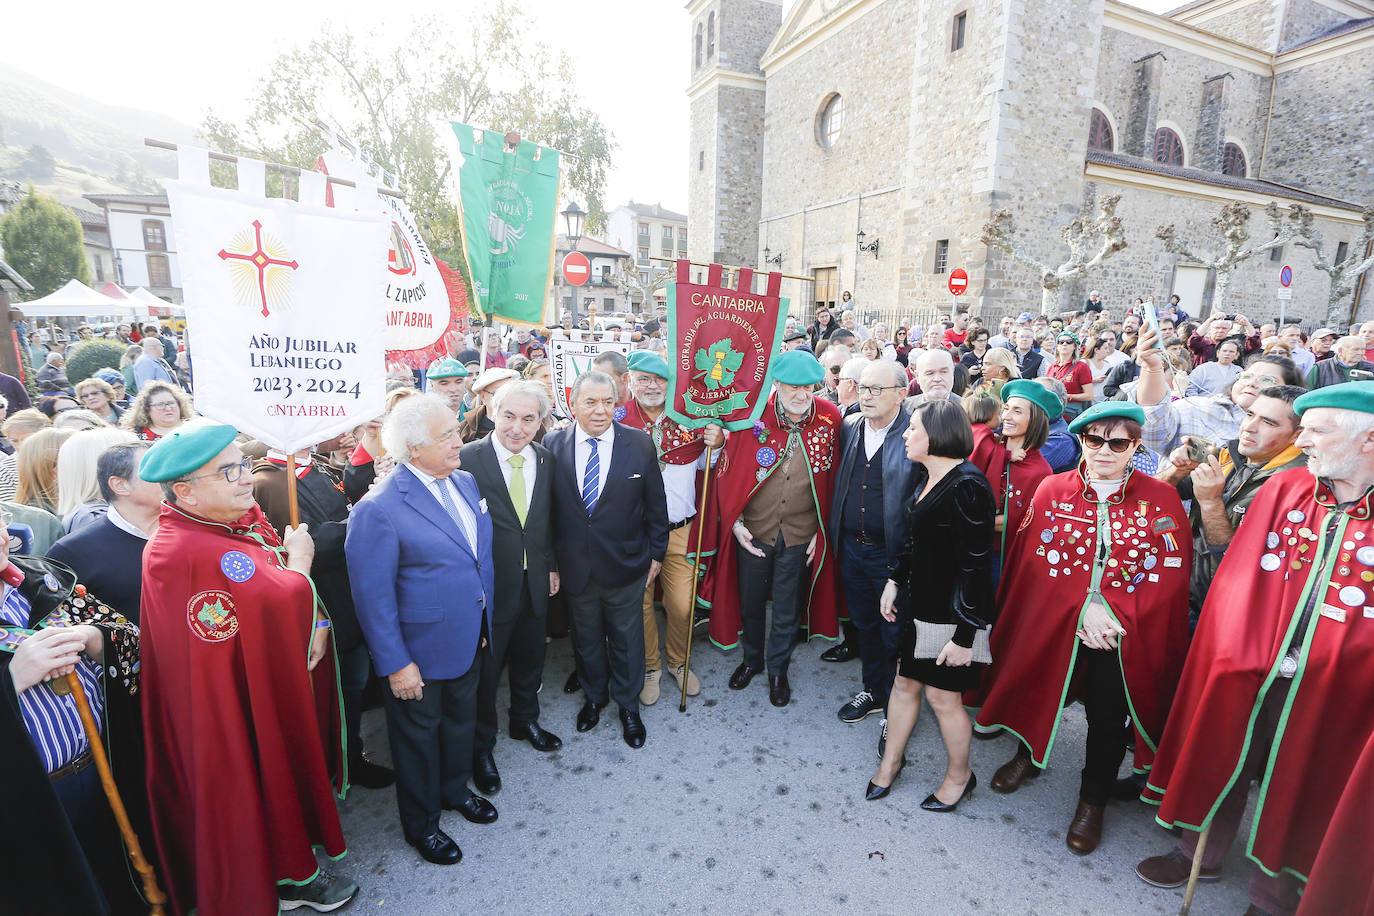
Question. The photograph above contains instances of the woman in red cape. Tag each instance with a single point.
(1093, 606)
(737, 475)
(1295, 546)
(242, 741)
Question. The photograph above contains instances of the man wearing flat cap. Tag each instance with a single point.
(681, 455)
(448, 378)
(773, 494)
(1276, 687)
(232, 630)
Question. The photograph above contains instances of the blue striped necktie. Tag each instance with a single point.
(591, 479)
(464, 524)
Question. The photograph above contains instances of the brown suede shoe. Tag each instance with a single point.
(1172, 869)
(1011, 774)
(1085, 830)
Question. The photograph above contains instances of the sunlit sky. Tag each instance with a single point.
(181, 59)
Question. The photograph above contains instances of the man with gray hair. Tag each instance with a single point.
(515, 476)
(611, 534)
(617, 366)
(420, 564)
(832, 360)
(935, 375)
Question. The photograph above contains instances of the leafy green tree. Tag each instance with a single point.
(392, 101)
(90, 356)
(39, 163)
(42, 240)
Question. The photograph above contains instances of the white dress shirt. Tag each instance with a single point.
(874, 439)
(582, 451)
(529, 470)
(123, 524)
(433, 484)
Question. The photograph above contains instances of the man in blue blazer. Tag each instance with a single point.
(610, 535)
(420, 566)
(867, 518)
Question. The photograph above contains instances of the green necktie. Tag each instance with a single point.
(517, 486)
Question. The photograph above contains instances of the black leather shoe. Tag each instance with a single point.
(476, 810)
(539, 739)
(572, 684)
(842, 653)
(934, 804)
(742, 676)
(875, 792)
(589, 715)
(484, 773)
(633, 728)
(369, 775)
(779, 691)
(438, 848)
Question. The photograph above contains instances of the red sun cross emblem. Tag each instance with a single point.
(259, 260)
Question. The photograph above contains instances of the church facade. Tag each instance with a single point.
(864, 143)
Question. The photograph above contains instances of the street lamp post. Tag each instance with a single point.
(575, 218)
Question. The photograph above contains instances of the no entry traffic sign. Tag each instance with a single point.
(958, 281)
(577, 270)
(1286, 276)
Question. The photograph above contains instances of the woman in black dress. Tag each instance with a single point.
(940, 588)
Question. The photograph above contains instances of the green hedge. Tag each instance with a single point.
(90, 356)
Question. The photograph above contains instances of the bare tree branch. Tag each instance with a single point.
(1342, 275)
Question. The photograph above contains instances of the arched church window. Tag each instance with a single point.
(830, 120)
(696, 59)
(710, 35)
(1100, 132)
(1233, 160)
(1168, 147)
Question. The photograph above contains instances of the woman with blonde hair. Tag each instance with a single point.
(158, 409)
(999, 365)
(20, 425)
(98, 396)
(78, 490)
(38, 468)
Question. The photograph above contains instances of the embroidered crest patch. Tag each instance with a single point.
(211, 615)
(1164, 523)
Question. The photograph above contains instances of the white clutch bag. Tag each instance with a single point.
(931, 638)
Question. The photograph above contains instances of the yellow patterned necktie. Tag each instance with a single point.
(517, 487)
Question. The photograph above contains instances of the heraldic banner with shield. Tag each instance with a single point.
(508, 202)
(725, 340)
(281, 301)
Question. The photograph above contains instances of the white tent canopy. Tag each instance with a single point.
(77, 300)
(148, 301)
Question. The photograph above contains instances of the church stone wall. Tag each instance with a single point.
(1322, 136)
(1256, 24)
(1306, 19)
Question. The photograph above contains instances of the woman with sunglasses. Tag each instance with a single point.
(1093, 606)
(158, 409)
(1076, 375)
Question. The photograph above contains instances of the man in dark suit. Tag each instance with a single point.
(872, 487)
(515, 477)
(611, 533)
(420, 566)
(107, 555)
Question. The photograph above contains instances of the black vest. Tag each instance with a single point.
(863, 503)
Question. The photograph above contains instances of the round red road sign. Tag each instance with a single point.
(958, 281)
(577, 270)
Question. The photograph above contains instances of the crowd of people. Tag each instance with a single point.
(1167, 525)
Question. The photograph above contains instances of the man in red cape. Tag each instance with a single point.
(1277, 685)
(240, 695)
(751, 459)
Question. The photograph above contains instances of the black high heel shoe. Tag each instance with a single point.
(876, 792)
(934, 804)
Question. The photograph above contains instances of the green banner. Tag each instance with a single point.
(507, 202)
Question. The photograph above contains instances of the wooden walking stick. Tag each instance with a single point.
(151, 892)
(696, 572)
(1195, 872)
(292, 501)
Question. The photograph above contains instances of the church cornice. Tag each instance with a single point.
(1133, 21)
(792, 40)
(719, 77)
(1325, 49)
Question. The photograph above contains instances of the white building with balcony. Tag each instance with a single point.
(141, 242)
(648, 231)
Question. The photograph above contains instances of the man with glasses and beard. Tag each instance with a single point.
(1277, 687)
(230, 628)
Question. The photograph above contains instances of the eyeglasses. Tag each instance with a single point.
(231, 474)
(872, 391)
(1117, 445)
(164, 405)
(1264, 381)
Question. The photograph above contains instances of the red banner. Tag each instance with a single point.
(724, 342)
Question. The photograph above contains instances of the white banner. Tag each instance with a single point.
(414, 298)
(281, 300)
(569, 358)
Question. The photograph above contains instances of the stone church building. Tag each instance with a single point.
(864, 143)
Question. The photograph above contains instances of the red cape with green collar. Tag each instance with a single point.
(1341, 880)
(1294, 546)
(1046, 577)
(1013, 482)
(736, 477)
(241, 740)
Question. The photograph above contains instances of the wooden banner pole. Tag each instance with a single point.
(292, 503)
(696, 574)
(759, 272)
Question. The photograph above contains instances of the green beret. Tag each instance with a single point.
(1125, 410)
(797, 367)
(650, 362)
(447, 367)
(1347, 396)
(185, 450)
(1036, 393)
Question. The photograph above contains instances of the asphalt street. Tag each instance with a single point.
(738, 807)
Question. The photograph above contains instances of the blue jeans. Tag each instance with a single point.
(863, 567)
